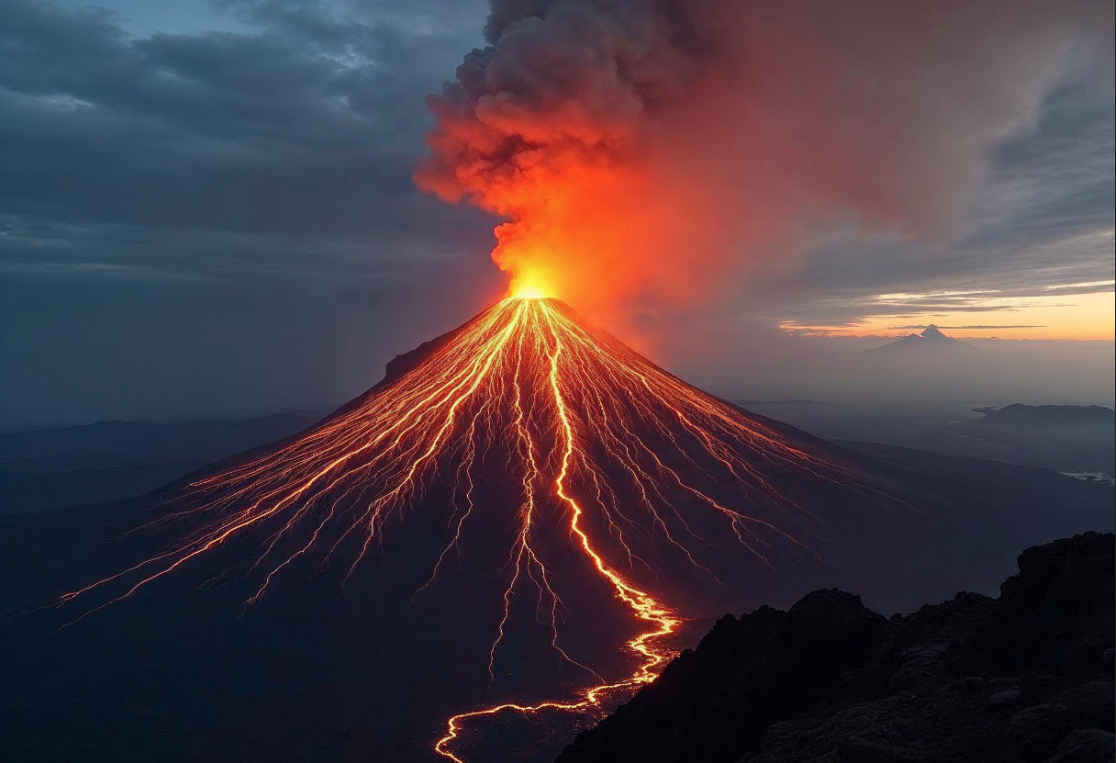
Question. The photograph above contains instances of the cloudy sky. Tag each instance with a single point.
(206, 208)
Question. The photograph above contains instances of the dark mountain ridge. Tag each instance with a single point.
(47, 469)
(112, 443)
(1051, 420)
(1026, 677)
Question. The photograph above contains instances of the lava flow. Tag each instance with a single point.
(624, 454)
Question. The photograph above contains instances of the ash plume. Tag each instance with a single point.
(656, 150)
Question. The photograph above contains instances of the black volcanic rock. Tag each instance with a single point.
(1045, 618)
(1025, 677)
(744, 675)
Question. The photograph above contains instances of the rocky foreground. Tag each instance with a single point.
(1025, 677)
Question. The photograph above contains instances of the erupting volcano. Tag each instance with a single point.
(607, 451)
(526, 520)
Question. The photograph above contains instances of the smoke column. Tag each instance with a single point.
(655, 151)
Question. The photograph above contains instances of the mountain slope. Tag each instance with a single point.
(583, 437)
(1026, 677)
(508, 535)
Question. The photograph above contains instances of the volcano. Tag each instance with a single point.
(588, 435)
(557, 515)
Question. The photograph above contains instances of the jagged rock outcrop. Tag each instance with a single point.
(1027, 677)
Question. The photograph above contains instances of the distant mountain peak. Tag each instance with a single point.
(930, 338)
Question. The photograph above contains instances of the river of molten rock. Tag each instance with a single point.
(572, 406)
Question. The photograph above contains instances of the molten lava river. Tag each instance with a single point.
(592, 435)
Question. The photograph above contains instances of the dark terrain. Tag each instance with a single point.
(1063, 438)
(1025, 677)
(112, 460)
(1066, 438)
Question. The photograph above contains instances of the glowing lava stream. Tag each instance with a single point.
(583, 423)
(641, 604)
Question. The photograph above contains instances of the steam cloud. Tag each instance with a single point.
(653, 150)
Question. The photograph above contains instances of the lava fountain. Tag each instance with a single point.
(589, 430)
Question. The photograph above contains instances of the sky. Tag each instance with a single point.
(207, 209)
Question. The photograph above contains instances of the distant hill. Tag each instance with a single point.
(1082, 422)
(1066, 438)
(112, 460)
(112, 443)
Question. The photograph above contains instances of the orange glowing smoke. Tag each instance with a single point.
(653, 153)
(591, 433)
(555, 142)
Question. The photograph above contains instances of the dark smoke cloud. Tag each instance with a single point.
(645, 150)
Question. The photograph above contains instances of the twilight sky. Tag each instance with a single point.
(206, 208)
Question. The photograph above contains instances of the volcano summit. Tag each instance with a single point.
(565, 507)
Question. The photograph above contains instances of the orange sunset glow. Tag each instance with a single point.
(1073, 317)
